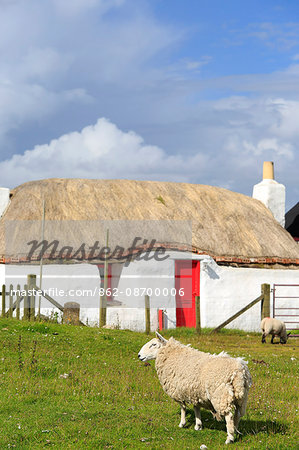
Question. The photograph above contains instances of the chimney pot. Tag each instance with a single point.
(268, 170)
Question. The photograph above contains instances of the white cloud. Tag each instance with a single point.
(41, 63)
(100, 151)
(282, 36)
(287, 127)
(105, 151)
(23, 103)
(64, 63)
(49, 60)
(273, 145)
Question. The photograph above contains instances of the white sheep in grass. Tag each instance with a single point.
(274, 327)
(218, 383)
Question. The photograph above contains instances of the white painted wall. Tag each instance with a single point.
(81, 283)
(131, 318)
(4, 200)
(226, 290)
(65, 283)
(223, 290)
(153, 276)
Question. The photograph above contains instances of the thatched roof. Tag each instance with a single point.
(224, 223)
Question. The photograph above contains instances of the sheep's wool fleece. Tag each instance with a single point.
(274, 326)
(217, 382)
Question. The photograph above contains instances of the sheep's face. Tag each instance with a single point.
(150, 349)
(283, 340)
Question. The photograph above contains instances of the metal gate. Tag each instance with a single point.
(286, 304)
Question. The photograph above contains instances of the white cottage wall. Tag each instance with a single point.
(226, 290)
(81, 283)
(131, 318)
(132, 282)
(4, 200)
(223, 290)
(145, 276)
(65, 283)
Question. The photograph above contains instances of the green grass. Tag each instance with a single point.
(111, 400)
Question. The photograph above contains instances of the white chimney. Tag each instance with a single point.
(271, 193)
(4, 200)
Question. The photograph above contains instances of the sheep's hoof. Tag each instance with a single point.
(181, 425)
(197, 428)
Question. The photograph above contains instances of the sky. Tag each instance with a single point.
(174, 90)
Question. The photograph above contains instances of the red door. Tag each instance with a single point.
(187, 288)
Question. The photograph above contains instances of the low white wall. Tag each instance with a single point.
(64, 283)
(81, 283)
(226, 290)
(152, 277)
(131, 318)
(155, 278)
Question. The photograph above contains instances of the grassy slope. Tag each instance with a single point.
(111, 400)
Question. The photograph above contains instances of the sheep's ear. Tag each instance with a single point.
(288, 334)
(161, 338)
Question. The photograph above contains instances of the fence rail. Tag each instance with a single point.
(264, 298)
(28, 299)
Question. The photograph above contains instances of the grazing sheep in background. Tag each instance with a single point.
(218, 383)
(276, 328)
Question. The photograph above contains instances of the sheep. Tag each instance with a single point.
(274, 327)
(218, 383)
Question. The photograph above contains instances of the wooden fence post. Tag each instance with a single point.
(103, 310)
(103, 298)
(31, 282)
(3, 300)
(71, 313)
(265, 309)
(26, 304)
(18, 302)
(197, 310)
(147, 314)
(10, 311)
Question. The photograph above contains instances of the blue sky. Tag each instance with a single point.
(194, 91)
(240, 37)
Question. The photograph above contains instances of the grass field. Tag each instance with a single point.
(78, 387)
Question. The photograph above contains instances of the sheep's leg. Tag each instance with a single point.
(230, 428)
(272, 339)
(237, 418)
(183, 415)
(198, 422)
(264, 338)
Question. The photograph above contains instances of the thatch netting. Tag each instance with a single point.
(224, 223)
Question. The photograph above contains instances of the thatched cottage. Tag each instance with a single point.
(172, 241)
